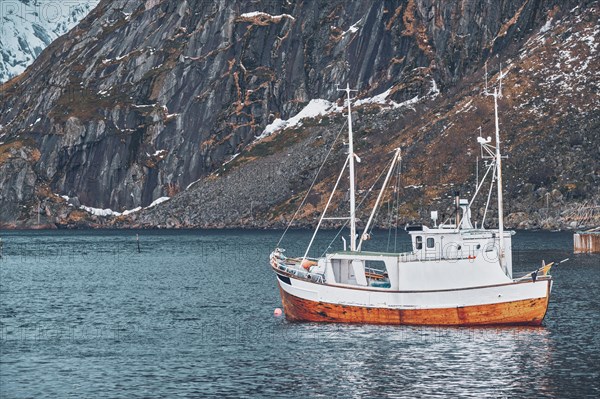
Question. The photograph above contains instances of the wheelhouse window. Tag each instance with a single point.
(430, 242)
(418, 242)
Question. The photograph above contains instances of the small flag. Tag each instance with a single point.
(546, 268)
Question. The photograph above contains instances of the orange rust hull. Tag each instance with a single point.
(524, 312)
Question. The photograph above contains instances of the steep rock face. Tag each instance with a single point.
(143, 98)
(28, 26)
(550, 118)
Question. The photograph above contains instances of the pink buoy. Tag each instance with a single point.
(277, 312)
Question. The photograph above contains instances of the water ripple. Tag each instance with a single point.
(82, 314)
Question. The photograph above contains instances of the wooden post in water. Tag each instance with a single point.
(137, 238)
(587, 242)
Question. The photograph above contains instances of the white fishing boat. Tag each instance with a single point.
(456, 273)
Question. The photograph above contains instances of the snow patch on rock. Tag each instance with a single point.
(110, 213)
(316, 107)
(354, 28)
(100, 212)
(382, 99)
(157, 201)
(262, 18)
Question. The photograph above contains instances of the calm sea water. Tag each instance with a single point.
(84, 315)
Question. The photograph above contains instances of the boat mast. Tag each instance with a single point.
(499, 185)
(351, 168)
(381, 192)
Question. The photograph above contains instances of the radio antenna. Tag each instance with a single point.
(500, 77)
(486, 82)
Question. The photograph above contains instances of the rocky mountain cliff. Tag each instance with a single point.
(28, 26)
(154, 99)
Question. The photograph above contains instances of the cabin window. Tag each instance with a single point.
(418, 242)
(375, 266)
(430, 242)
(376, 274)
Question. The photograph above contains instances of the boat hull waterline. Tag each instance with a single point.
(526, 306)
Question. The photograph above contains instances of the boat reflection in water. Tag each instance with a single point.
(445, 361)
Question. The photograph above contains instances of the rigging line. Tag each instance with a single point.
(349, 158)
(311, 185)
(357, 208)
(335, 238)
(344, 225)
(393, 204)
(390, 210)
(395, 199)
(382, 194)
(489, 197)
(399, 176)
